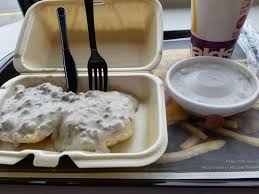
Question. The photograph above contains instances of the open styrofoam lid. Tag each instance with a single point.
(129, 35)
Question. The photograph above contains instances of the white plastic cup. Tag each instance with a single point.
(216, 25)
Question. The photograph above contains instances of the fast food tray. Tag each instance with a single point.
(224, 167)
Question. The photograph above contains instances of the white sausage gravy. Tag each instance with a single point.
(90, 121)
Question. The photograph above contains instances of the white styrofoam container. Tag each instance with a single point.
(129, 37)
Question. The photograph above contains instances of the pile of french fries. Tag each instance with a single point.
(192, 147)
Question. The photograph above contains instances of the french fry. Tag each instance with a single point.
(256, 106)
(230, 124)
(159, 72)
(212, 122)
(175, 113)
(248, 121)
(237, 136)
(194, 130)
(191, 141)
(196, 150)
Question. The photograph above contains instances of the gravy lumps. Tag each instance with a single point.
(31, 114)
(90, 121)
(101, 119)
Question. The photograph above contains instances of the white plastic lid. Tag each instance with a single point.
(129, 35)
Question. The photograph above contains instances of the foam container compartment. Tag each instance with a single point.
(129, 36)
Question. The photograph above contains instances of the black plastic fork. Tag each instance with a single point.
(97, 67)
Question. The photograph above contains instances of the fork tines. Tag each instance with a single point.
(97, 72)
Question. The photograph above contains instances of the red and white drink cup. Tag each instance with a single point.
(216, 25)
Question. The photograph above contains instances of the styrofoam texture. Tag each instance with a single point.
(202, 109)
(129, 35)
(147, 144)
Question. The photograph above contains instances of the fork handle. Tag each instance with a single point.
(63, 27)
(89, 7)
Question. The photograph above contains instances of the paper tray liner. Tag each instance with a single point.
(235, 160)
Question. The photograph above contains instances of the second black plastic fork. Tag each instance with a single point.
(97, 67)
